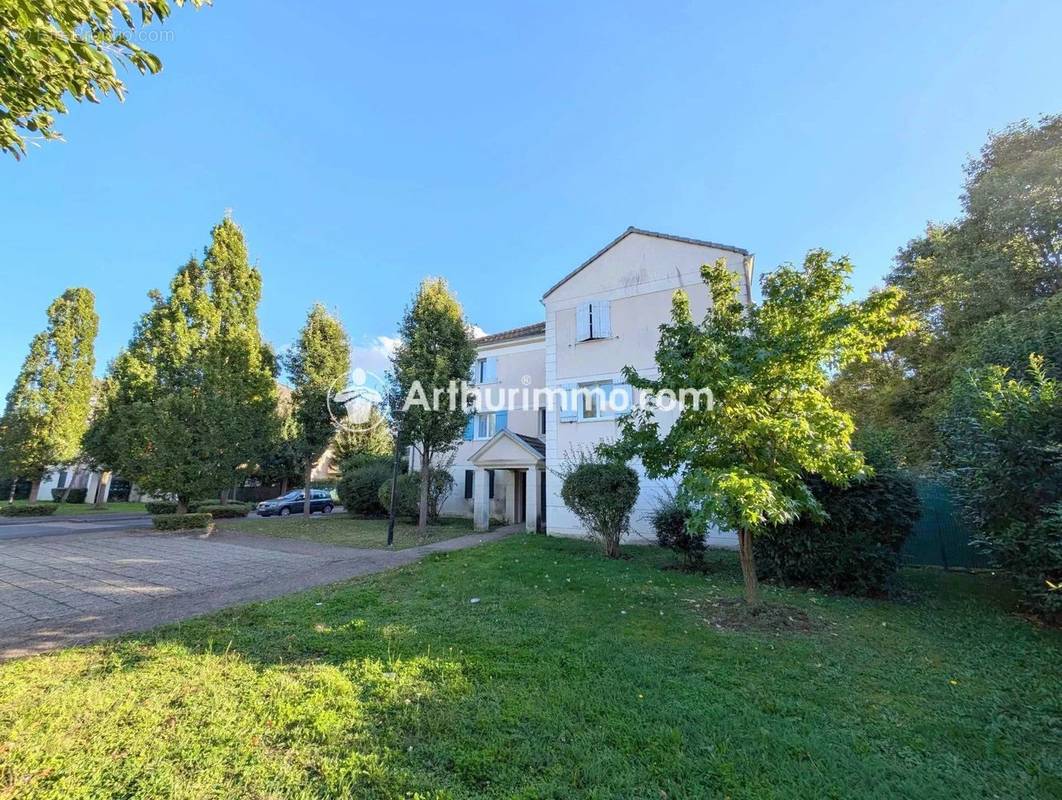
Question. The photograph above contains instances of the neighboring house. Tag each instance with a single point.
(601, 317)
(79, 476)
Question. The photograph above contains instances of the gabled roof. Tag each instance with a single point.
(534, 329)
(628, 232)
(533, 448)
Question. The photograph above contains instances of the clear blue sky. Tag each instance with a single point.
(363, 146)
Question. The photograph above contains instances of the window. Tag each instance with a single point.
(484, 426)
(542, 422)
(470, 477)
(592, 320)
(594, 400)
(485, 370)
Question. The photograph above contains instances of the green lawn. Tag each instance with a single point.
(341, 529)
(77, 509)
(572, 677)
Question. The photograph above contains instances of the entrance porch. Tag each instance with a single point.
(524, 457)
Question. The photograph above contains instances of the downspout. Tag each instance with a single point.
(749, 263)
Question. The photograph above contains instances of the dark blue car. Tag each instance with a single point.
(292, 503)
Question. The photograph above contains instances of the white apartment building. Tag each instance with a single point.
(604, 315)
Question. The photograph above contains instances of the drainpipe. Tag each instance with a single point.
(749, 262)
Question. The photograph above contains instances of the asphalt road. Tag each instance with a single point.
(35, 527)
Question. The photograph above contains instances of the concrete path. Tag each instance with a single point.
(58, 592)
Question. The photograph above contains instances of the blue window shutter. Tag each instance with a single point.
(582, 322)
(470, 428)
(490, 370)
(571, 413)
(501, 421)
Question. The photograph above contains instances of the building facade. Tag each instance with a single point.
(601, 317)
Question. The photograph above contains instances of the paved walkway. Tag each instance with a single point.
(55, 592)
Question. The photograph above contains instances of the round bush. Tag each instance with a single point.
(602, 495)
(407, 504)
(855, 549)
(670, 521)
(359, 488)
(181, 522)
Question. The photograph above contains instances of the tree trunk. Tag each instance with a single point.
(307, 491)
(14, 488)
(35, 488)
(283, 486)
(425, 479)
(748, 568)
(182, 504)
(102, 490)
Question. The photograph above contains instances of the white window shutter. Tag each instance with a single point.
(602, 320)
(582, 322)
(568, 411)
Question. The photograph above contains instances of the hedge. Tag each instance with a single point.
(72, 495)
(30, 510)
(196, 506)
(224, 511)
(181, 522)
(855, 549)
(160, 507)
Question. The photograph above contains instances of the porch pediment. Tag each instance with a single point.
(508, 450)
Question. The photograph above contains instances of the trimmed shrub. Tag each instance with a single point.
(197, 506)
(359, 488)
(671, 523)
(156, 507)
(602, 495)
(855, 549)
(181, 522)
(407, 504)
(224, 511)
(72, 496)
(29, 510)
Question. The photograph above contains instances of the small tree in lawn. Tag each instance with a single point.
(48, 408)
(435, 349)
(318, 364)
(741, 464)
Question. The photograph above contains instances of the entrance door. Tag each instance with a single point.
(520, 487)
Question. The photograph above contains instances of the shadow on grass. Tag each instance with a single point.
(572, 676)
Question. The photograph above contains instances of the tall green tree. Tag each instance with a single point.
(48, 408)
(240, 368)
(150, 426)
(371, 437)
(54, 49)
(435, 350)
(742, 463)
(191, 403)
(318, 366)
(1000, 260)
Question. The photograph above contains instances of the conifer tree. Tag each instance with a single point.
(47, 410)
(318, 365)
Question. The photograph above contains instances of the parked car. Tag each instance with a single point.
(292, 503)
